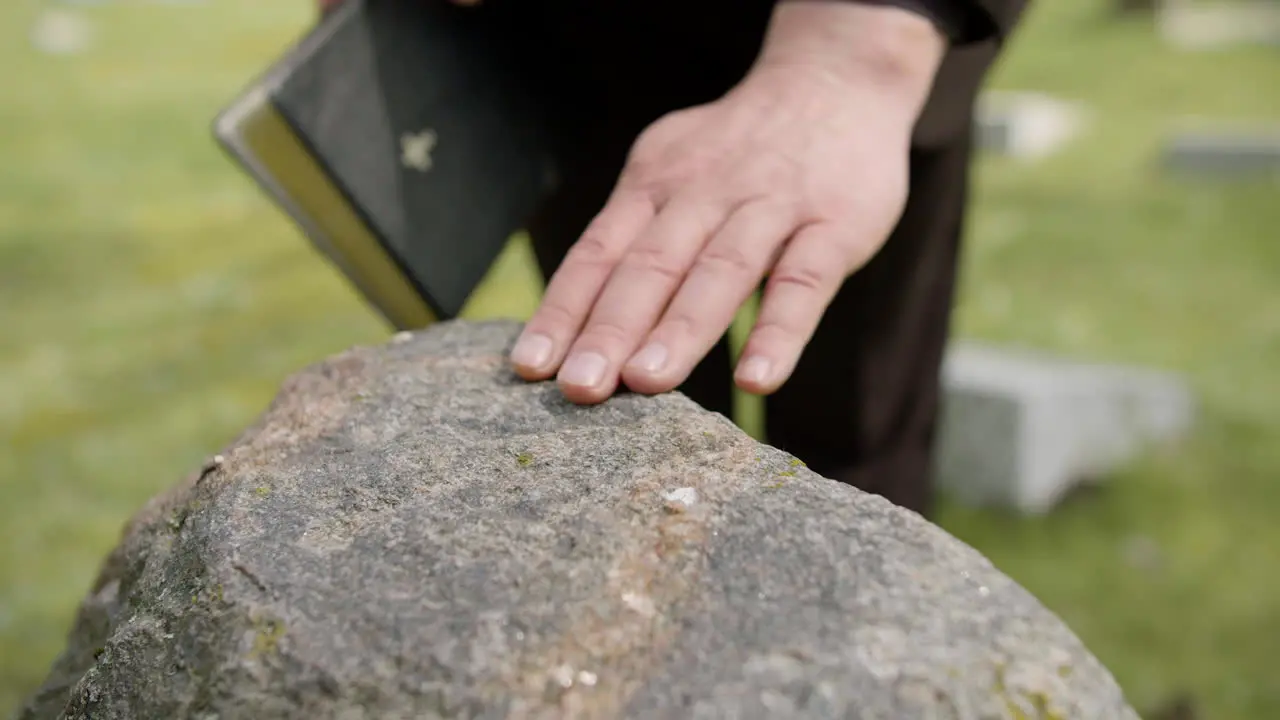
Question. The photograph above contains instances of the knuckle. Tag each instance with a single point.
(659, 132)
(812, 279)
(680, 324)
(553, 313)
(604, 332)
(783, 336)
(641, 169)
(726, 260)
(640, 172)
(591, 249)
(653, 260)
(657, 155)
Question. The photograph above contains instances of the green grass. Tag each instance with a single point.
(151, 301)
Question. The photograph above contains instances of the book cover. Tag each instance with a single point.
(406, 140)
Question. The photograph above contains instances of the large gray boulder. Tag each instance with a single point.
(411, 532)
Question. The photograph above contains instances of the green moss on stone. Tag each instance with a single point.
(267, 634)
(1039, 701)
(178, 518)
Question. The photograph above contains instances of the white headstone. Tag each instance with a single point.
(1224, 152)
(61, 32)
(1025, 125)
(1217, 25)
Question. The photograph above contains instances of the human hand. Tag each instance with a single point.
(798, 173)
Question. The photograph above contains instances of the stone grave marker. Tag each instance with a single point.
(410, 532)
(1224, 151)
(1019, 429)
(1025, 125)
(1201, 26)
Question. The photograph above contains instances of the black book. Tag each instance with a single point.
(406, 140)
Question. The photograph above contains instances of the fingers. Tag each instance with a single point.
(799, 289)
(721, 279)
(577, 283)
(641, 286)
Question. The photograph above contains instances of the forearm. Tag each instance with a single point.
(888, 48)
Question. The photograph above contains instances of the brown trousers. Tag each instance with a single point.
(863, 402)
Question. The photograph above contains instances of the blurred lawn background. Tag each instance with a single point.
(151, 301)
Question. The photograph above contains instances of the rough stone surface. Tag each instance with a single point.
(410, 532)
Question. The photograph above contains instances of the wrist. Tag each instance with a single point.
(865, 46)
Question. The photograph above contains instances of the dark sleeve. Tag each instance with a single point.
(966, 21)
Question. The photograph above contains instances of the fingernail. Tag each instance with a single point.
(584, 369)
(755, 371)
(532, 351)
(651, 359)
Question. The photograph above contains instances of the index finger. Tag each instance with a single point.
(576, 284)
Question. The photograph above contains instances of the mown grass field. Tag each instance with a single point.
(151, 301)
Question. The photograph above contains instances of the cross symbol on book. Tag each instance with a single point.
(415, 149)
